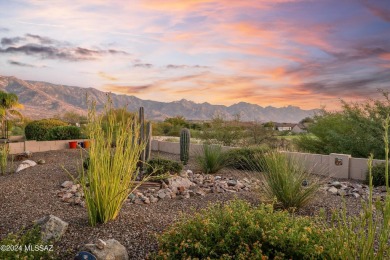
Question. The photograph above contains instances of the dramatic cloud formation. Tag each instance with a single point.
(45, 49)
(269, 52)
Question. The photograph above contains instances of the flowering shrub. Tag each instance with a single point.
(237, 231)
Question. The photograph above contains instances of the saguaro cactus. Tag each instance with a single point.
(184, 145)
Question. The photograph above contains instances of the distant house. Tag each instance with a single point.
(298, 129)
(284, 126)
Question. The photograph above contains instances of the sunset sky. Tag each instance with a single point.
(267, 52)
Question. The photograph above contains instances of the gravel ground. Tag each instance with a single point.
(31, 194)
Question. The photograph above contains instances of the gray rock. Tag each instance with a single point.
(184, 174)
(132, 197)
(176, 181)
(164, 185)
(356, 195)
(52, 227)
(341, 193)
(153, 199)
(41, 161)
(74, 188)
(336, 184)
(240, 185)
(101, 244)
(25, 164)
(190, 173)
(67, 184)
(333, 190)
(112, 250)
(231, 182)
(161, 194)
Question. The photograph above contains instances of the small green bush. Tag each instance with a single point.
(378, 175)
(17, 130)
(245, 158)
(160, 166)
(19, 245)
(63, 133)
(37, 130)
(212, 158)
(238, 231)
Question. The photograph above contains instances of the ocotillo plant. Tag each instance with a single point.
(148, 141)
(184, 145)
(141, 121)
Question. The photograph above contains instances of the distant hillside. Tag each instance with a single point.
(42, 100)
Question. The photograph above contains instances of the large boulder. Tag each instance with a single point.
(107, 250)
(52, 227)
(25, 164)
(176, 182)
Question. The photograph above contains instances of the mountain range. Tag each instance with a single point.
(45, 100)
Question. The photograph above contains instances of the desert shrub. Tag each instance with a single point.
(245, 158)
(111, 172)
(17, 130)
(378, 175)
(160, 166)
(354, 130)
(18, 245)
(212, 158)
(37, 130)
(284, 178)
(238, 231)
(63, 133)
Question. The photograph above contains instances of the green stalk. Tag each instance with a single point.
(112, 172)
(386, 140)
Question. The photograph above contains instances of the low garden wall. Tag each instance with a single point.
(40, 146)
(334, 165)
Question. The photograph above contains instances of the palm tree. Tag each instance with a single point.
(8, 103)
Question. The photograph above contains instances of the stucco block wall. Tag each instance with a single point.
(339, 169)
(40, 146)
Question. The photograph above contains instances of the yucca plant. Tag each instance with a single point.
(212, 158)
(111, 171)
(286, 179)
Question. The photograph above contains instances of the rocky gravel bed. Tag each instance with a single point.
(34, 193)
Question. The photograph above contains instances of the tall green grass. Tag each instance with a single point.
(112, 171)
(286, 179)
(212, 158)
